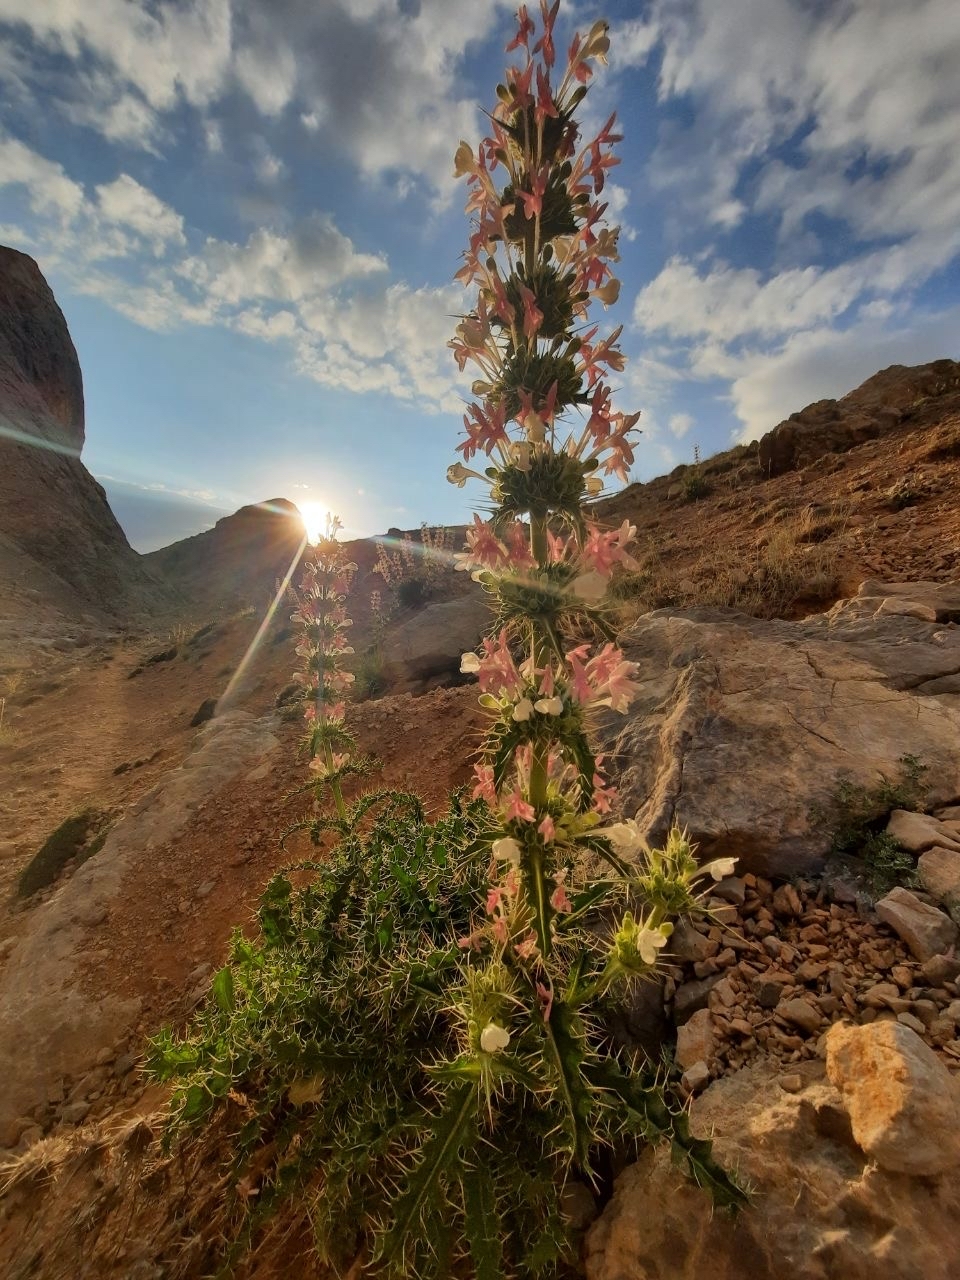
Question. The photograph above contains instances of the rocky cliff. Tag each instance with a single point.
(61, 547)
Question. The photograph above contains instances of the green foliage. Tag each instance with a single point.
(857, 815)
(79, 837)
(348, 1042)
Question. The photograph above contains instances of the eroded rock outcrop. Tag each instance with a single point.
(60, 544)
(892, 396)
(822, 1209)
(743, 726)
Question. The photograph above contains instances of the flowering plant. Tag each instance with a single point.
(422, 1038)
(321, 619)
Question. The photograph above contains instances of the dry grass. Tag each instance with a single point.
(790, 570)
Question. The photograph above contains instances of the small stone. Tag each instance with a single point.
(696, 1078)
(908, 1020)
(692, 996)
(29, 1137)
(925, 930)
(696, 1040)
(902, 976)
(771, 945)
(952, 1011)
(939, 871)
(800, 1014)
(732, 889)
(768, 992)
(75, 1112)
(879, 996)
(125, 1064)
(810, 971)
(940, 969)
(786, 902)
(791, 1083)
(724, 993)
(205, 889)
(105, 1057)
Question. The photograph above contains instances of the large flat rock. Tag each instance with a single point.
(743, 726)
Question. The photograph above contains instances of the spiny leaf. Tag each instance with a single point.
(563, 1034)
(438, 1159)
(482, 1223)
(223, 990)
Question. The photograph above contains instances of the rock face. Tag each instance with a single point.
(239, 560)
(903, 1105)
(834, 426)
(822, 1210)
(429, 645)
(60, 544)
(744, 726)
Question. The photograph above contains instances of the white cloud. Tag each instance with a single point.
(314, 258)
(680, 424)
(126, 202)
(767, 387)
(49, 189)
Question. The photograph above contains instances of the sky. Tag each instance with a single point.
(248, 214)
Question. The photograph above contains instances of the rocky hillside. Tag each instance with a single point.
(863, 487)
(61, 549)
(239, 560)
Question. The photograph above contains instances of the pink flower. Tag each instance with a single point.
(524, 32)
(493, 901)
(547, 829)
(485, 788)
(527, 949)
(559, 900)
(499, 930)
(518, 809)
(545, 995)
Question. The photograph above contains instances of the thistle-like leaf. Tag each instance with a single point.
(438, 1160)
(484, 1230)
(564, 1057)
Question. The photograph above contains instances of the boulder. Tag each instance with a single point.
(919, 831)
(940, 875)
(821, 1211)
(904, 1106)
(925, 930)
(743, 727)
(430, 644)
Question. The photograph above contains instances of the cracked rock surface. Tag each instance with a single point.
(744, 726)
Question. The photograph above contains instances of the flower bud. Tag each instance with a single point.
(469, 664)
(507, 849)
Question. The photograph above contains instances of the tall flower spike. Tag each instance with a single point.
(538, 256)
(322, 621)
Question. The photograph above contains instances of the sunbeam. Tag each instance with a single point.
(262, 629)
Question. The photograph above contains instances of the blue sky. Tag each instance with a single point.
(248, 215)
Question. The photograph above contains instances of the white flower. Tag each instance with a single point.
(549, 706)
(534, 426)
(469, 664)
(520, 455)
(590, 586)
(493, 1038)
(608, 293)
(593, 485)
(625, 837)
(523, 710)
(719, 868)
(507, 849)
(649, 942)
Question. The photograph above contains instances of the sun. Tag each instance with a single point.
(316, 516)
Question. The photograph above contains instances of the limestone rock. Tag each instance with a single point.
(821, 1212)
(940, 875)
(431, 643)
(904, 1107)
(918, 831)
(60, 543)
(696, 1039)
(744, 726)
(925, 930)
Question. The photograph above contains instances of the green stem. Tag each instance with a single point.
(334, 783)
(539, 648)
